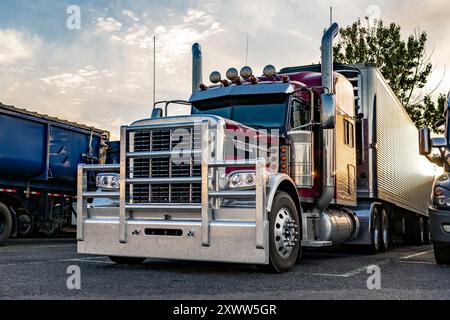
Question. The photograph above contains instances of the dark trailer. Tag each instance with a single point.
(39, 156)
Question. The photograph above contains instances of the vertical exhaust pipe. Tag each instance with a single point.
(197, 67)
(328, 158)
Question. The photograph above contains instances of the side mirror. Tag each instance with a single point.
(424, 142)
(328, 114)
(157, 113)
(438, 143)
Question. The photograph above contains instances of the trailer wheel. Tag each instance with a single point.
(442, 253)
(5, 223)
(284, 234)
(375, 233)
(127, 260)
(384, 235)
(415, 231)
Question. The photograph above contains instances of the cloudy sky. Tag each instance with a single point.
(101, 74)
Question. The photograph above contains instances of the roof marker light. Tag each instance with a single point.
(232, 74)
(246, 72)
(270, 71)
(215, 77)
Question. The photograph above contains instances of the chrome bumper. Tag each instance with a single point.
(129, 230)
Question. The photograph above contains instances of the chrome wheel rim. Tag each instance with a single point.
(285, 233)
(376, 232)
(385, 233)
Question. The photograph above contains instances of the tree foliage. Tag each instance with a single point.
(404, 63)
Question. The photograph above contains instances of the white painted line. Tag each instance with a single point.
(417, 262)
(415, 255)
(363, 269)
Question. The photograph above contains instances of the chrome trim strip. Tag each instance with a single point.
(123, 185)
(206, 212)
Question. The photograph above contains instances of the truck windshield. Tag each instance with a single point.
(256, 113)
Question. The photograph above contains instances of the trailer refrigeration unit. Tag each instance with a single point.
(39, 157)
(269, 165)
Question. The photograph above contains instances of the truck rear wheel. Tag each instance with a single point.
(5, 223)
(375, 234)
(384, 235)
(127, 260)
(284, 234)
(442, 253)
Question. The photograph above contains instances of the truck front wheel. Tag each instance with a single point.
(284, 234)
(5, 223)
(442, 253)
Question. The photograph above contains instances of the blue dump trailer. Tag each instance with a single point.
(39, 156)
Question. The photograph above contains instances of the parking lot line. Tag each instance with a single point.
(415, 255)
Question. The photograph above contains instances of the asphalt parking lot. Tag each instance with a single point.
(37, 269)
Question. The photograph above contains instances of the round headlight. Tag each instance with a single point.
(236, 180)
(250, 179)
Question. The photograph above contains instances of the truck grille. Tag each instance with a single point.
(163, 167)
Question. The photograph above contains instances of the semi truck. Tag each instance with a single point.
(38, 170)
(439, 209)
(263, 167)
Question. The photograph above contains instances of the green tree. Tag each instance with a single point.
(404, 63)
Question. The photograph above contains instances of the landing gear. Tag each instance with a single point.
(285, 234)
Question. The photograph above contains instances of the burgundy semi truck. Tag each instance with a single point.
(311, 156)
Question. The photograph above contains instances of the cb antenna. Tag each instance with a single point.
(154, 70)
(246, 50)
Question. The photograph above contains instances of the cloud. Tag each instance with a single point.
(108, 24)
(16, 46)
(130, 14)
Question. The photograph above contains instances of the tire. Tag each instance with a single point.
(384, 232)
(374, 248)
(284, 225)
(5, 223)
(415, 231)
(25, 226)
(127, 260)
(442, 253)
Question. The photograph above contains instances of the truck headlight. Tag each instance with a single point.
(108, 181)
(241, 179)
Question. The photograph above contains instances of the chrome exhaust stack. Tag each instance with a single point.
(328, 169)
(197, 67)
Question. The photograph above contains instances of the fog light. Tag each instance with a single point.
(446, 228)
(441, 201)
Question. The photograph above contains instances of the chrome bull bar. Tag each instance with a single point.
(210, 192)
